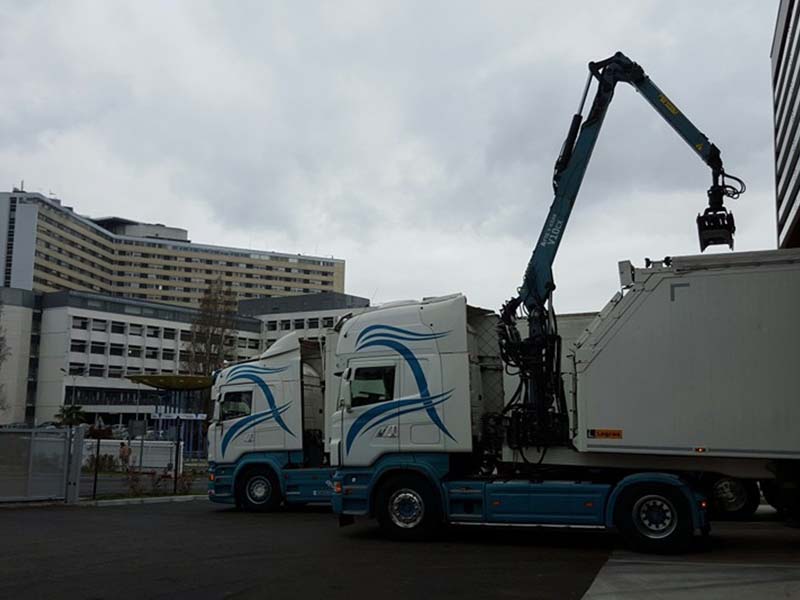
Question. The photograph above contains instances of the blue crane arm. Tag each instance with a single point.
(537, 412)
(716, 226)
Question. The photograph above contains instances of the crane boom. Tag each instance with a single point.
(541, 417)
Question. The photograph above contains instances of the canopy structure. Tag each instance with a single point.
(175, 383)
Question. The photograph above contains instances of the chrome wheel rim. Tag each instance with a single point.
(259, 489)
(655, 516)
(406, 508)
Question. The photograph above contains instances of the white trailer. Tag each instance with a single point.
(686, 373)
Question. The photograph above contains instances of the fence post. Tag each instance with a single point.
(74, 466)
(141, 451)
(175, 470)
(30, 462)
(68, 464)
(96, 467)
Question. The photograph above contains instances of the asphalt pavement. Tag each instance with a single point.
(201, 550)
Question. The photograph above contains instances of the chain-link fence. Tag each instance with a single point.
(120, 468)
(39, 464)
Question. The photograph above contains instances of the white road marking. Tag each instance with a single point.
(628, 575)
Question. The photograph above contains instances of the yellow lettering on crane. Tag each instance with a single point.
(699, 147)
(668, 104)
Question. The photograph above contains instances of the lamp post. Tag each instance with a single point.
(141, 442)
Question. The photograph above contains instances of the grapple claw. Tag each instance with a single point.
(715, 226)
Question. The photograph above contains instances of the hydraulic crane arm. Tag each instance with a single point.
(541, 417)
(715, 226)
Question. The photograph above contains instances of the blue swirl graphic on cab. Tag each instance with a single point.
(393, 338)
(256, 374)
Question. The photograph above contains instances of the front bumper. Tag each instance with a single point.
(220, 484)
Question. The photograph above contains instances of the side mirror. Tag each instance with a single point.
(346, 400)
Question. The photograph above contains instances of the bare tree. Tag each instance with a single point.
(212, 341)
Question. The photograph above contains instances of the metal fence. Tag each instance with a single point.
(40, 464)
(119, 468)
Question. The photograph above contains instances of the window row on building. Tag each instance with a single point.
(61, 250)
(298, 324)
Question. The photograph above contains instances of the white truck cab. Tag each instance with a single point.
(267, 441)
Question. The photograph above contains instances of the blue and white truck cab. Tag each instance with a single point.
(267, 443)
(415, 439)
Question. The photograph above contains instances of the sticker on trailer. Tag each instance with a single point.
(604, 434)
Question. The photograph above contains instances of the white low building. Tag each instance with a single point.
(80, 347)
(309, 314)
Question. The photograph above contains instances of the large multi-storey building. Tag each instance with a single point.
(45, 247)
(785, 57)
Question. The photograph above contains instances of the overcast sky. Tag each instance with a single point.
(414, 140)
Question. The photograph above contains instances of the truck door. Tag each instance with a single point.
(233, 433)
(369, 395)
(277, 429)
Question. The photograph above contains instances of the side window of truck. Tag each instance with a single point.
(371, 385)
(235, 405)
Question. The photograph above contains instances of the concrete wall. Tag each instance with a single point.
(53, 353)
(16, 321)
(4, 203)
(24, 246)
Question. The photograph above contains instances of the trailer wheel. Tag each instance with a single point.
(654, 518)
(734, 499)
(258, 490)
(407, 507)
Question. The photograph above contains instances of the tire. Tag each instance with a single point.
(654, 518)
(407, 508)
(258, 490)
(733, 499)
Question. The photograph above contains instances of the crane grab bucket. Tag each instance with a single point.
(715, 226)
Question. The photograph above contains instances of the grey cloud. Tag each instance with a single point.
(415, 140)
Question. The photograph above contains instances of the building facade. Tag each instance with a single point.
(81, 348)
(785, 57)
(20, 329)
(309, 315)
(46, 247)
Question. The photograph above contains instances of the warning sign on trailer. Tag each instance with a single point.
(604, 434)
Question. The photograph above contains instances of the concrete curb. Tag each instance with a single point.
(143, 500)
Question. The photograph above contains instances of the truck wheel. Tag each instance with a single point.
(654, 518)
(734, 499)
(258, 490)
(407, 507)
